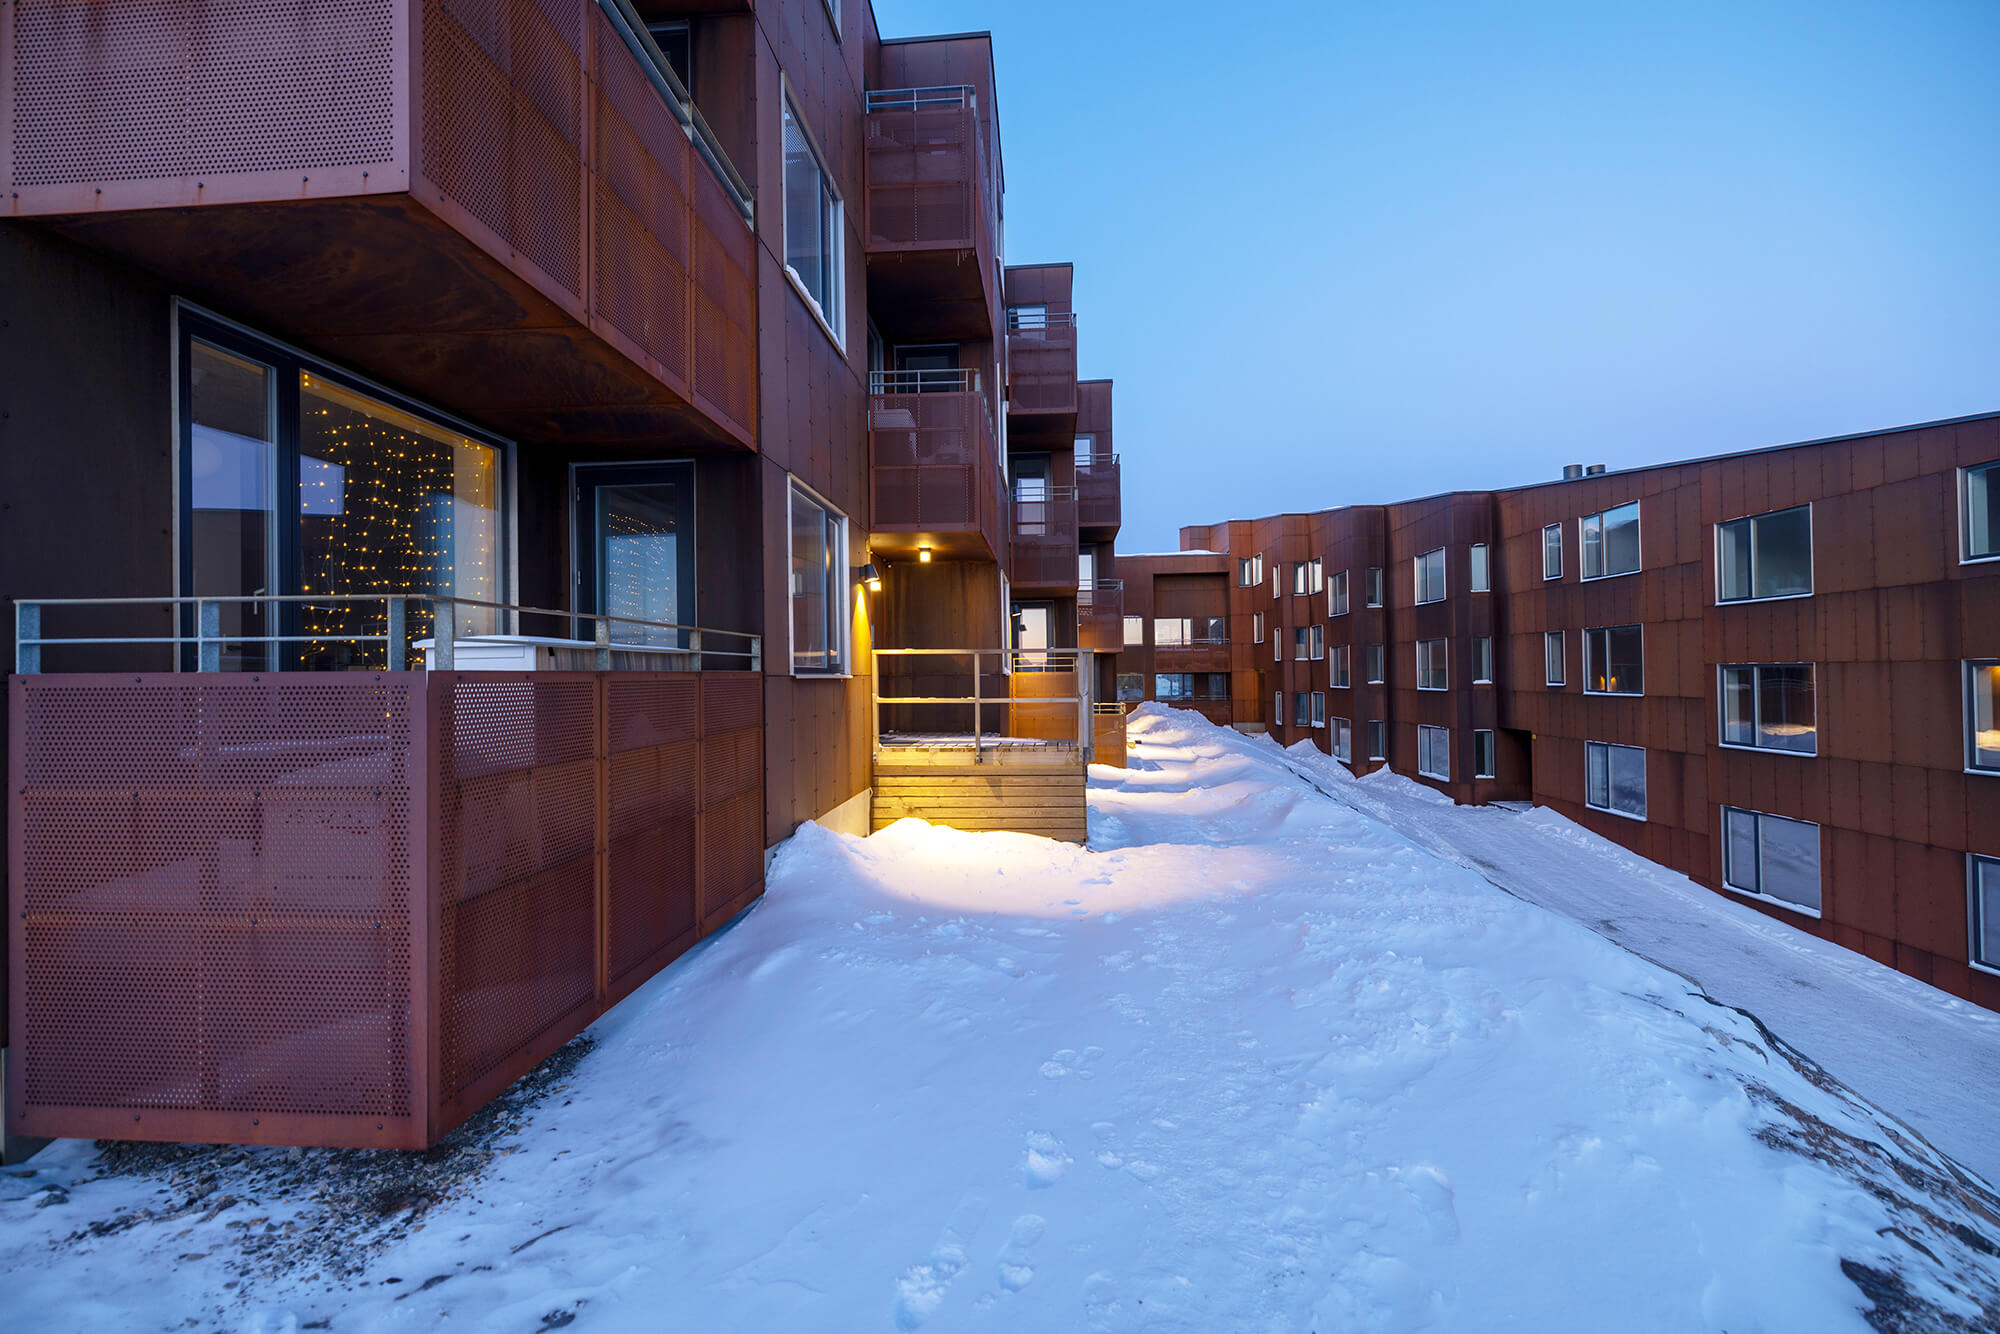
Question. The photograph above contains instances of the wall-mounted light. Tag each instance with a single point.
(872, 577)
(924, 555)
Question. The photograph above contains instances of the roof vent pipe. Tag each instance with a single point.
(1593, 470)
(1572, 471)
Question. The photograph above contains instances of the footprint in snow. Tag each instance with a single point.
(1044, 1162)
(1013, 1266)
(922, 1288)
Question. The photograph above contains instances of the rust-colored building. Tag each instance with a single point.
(1776, 671)
(458, 483)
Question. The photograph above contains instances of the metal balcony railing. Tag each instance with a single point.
(925, 382)
(631, 29)
(1028, 320)
(1097, 465)
(914, 99)
(930, 177)
(1039, 692)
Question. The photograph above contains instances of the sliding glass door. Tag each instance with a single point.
(634, 547)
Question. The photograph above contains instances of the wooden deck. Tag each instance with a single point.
(1014, 784)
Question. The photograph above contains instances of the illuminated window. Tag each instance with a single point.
(1982, 716)
(819, 588)
(1614, 661)
(1770, 706)
(1135, 631)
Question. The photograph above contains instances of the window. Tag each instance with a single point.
(1256, 627)
(1482, 660)
(1336, 594)
(1249, 571)
(1301, 578)
(1983, 883)
(819, 586)
(1131, 687)
(1316, 642)
(1553, 657)
(1770, 857)
(1211, 685)
(1173, 685)
(1377, 663)
(1278, 643)
(1482, 754)
(1315, 576)
(1275, 589)
(814, 254)
(1372, 586)
(1982, 716)
(1482, 569)
(1343, 739)
(1434, 752)
(1300, 650)
(1135, 630)
(1172, 631)
(1552, 551)
(675, 44)
(833, 16)
(1319, 708)
(1338, 671)
(1378, 740)
(1300, 716)
(1613, 661)
(1431, 669)
(1278, 709)
(1614, 779)
(1764, 556)
(1979, 512)
(1770, 707)
(1430, 576)
(1610, 541)
(1030, 317)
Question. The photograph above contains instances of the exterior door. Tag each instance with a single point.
(634, 551)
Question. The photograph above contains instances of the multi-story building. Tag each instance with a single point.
(1775, 671)
(463, 466)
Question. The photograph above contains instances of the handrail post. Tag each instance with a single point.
(976, 730)
(757, 659)
(208, 636)
(398, 632)
(602, 634)
(694, 648)
(444, 629)
(27, 637)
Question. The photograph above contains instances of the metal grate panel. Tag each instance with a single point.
(653, 798)
(932, 464)
(1042, 369)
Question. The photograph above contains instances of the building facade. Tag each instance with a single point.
(1776, 671)
(458, 484)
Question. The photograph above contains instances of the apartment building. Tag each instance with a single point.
(461, 484)
(1775, 671)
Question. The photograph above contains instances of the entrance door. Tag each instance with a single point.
(633, 535)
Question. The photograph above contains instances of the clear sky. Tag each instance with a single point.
(1339, 252)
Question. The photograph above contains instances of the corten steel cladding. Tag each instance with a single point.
(349, 909)
(1098, 500)
(927, 181)
(1042, 369)
(1045, 541)
(933, 466)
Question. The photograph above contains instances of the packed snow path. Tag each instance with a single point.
(1254, 1061)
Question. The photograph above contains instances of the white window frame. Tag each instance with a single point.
(1606, 630)
(1277, 643)
(1428, 737)
(1559, 641)
(1485, 757)
(1278, 709)
(1278, 580)
(1608, 747)
(1301, 704)
(1319, 708)
(1340, 667)
(1378, 730)
(1336, 594)
(1965, 556)
(1372, 591)
(833, 17)
(1639, 538)
(1316, 641)
(831, 321)
(842, 594)
(1552, 570)
(1973, 915)
(1758, 838)
(1443, 576)
(1438, 651)
(1173, 640)
(1256, 627)
(1482, 660)
(1812, 556)
(1480, 579)
(1246, 575)
(1301, 643)
(1755, 669)
(1343, 740)
(1315, 576)
(1375, 660)
(1968, 715)
(1140, 622)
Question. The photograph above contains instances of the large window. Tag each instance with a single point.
(1378, 661)
(819, 586)
(1181, 631)
(1982, 716)
(1343, 739)
(1190, 685)
(1430, 576)
(1610, 541)
(1764, 556)
(1378, 740)
(1770, 706)
(1983, 884)
(1979, 512)
(814, 253)
(1482, 660)
(1434, 752)
(1432, 672)
(1553, 657)
(1614, 661)
(1772, 858)
(1336, 594)
(1371, 586)
(1614, 779)
(1339, 668)
(1482, 568)
(1135, 631)
(1552, 551)
(1482, 754)
(1131, 687)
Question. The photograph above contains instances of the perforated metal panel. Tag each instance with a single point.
(1045, 542)
(923, 179)
(654, 797)
(149, 89)
(932, 464)
(1042, 365)
(1099, 500)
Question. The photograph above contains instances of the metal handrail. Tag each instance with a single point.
(653, 63)
(1027, 661)
(1101, 708)
(1022, 321)
(209, 637)
(963, 380)
(1091, 462)
(910, 99)
(1051, 495)
(1198, 641)
(1103, 585)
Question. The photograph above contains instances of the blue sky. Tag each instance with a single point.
(1338, 253)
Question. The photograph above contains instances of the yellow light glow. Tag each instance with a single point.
(924, 555)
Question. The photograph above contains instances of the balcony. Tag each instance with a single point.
(349, 908)
(1099, 506)
(1100, 616)
(1045, 551)
(1191, 655)
(931, 216)
(934, 471)
(510, 210)
(1041, 354)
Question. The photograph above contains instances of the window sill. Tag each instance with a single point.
(1617, 694)
(1556, 685)
(1981, 560)
(1435, 778)
(1600, 578)
(1482, 681)
(797, 675)
(812, 306)
(1798, 908)
(1434, 690)
(1812, 754)
(1432, 602)
(1983, 773)
(1551, 578)
(1990, 969)
(1775, 597)
(1609, 810)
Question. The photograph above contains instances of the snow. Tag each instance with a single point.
(1268, 1055)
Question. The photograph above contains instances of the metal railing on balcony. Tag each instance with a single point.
(1045, 544)
(636, 644)
(1101, 593)
(933, 464)
(1195, 654)
(1042, 367)
(926, 382)
(1034, 694)
(930, 178)
(1029, 319)
(631, 29)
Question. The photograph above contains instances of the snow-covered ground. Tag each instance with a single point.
(1264, 1057)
